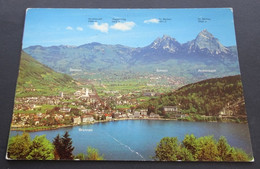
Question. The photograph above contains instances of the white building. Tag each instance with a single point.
(109, 118)
(87, 119)
(137, 114)
(153, 115)
(77, 120)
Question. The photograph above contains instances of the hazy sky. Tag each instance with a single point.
(130, 27)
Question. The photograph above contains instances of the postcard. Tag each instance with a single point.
(129, 85)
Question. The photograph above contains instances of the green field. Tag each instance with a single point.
(128, 86)
(38, 109)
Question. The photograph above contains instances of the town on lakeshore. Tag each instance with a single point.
(84, 106)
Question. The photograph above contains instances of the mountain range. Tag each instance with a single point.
(201, 58)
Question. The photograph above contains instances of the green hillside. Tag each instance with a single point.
(37, 79)
(207, 97)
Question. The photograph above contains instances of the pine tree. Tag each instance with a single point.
(63, 147)
(57, 143)
(66, 147)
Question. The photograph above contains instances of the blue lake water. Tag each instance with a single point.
(137, 139)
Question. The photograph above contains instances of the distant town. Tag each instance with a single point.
(83, 107)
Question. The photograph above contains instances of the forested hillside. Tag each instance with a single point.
(207, 97)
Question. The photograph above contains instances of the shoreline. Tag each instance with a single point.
(24, 129)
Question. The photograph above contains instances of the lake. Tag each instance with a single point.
(137, 139)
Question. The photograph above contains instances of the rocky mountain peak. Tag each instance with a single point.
(166, 43)
(205, 34)
(206, 41)
(167, 37)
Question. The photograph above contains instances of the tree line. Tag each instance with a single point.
(198, 149)
(22, 147)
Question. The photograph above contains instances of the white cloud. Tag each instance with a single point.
(79, 28)
(103, 27)
(69, 28)
(154, 20)
(123, 26)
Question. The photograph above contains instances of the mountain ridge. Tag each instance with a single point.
(164, 36)
(204, 41)
(203, 52)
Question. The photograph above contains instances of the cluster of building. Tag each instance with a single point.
(162, 79)
(83, 119)
(83, 106)
(65, 116)
(30, 103)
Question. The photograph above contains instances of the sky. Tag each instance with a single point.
(129, 27)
